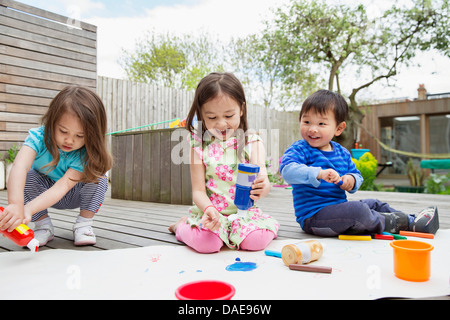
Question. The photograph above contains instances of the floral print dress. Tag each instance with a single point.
(220, 161)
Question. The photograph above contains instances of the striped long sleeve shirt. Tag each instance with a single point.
(300, 166)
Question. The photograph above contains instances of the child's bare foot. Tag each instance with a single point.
(173, 227)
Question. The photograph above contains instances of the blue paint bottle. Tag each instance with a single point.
(247, 173)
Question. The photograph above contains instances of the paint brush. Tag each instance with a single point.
(310, 268)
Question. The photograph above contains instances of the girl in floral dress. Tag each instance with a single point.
(219, 142)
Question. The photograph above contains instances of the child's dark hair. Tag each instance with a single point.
(323, 100)
(89, 108)
(210, 87)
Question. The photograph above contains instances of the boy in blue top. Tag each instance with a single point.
(321, 171)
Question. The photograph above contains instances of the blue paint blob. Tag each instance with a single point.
(242, 266)
(238, 259)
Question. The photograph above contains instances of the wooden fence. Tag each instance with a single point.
(40, 53)
(152, 165)
(131, 105)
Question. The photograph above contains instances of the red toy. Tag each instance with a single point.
(22, 236)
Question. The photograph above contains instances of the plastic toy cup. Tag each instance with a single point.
(247, 173)
(205, 290)
(412, 260)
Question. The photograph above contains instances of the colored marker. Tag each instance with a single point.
(273, 253)
(384, 236)
(417, 234)
(354, 237)
(396, 236)
(310, 268)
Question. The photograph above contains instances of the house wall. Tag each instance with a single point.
(376, 116)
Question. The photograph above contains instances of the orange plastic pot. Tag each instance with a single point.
(412, 261)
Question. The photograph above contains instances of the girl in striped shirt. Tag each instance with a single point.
(62, 164)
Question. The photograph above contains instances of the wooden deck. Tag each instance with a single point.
(128, 224)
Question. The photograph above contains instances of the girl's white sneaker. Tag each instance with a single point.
(83, 234)
(44, 233)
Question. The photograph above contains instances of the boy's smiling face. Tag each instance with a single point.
(318, 129)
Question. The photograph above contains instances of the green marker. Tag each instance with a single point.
(396, 236)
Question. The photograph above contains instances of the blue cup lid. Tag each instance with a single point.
(248, 167)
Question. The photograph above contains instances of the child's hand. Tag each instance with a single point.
(348, 182)
(12, 217)
(329, 175)
(210, 219)
(260, 187)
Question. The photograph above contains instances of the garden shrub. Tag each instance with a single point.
(367, 165)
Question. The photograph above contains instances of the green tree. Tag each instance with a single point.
(332, 39)
(158, 59)
(262, 73)
(172, 61)
(205, 54)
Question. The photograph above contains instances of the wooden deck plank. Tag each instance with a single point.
(124, 224)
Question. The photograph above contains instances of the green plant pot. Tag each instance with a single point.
(411, 189)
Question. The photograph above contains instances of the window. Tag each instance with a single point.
(400, 133)
(439, 133)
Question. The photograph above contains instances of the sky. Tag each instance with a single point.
(121, 22)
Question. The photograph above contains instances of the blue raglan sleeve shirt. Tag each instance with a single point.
(35, 140)
(300, 167)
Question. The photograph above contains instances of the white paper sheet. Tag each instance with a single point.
(361, 270)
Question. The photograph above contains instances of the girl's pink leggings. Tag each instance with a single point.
(205, 241)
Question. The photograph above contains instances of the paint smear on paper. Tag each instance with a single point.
(242, 266)
(183, 271)
(155, 257)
